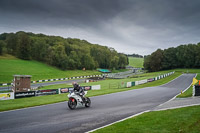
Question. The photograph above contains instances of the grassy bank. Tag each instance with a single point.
(187, 93)
(42, 100)
(183, 120)
(10, 66)
(136, 62)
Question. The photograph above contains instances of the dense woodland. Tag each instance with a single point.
(64, 53)
(183, 56)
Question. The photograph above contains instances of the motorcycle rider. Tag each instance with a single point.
(79, 90)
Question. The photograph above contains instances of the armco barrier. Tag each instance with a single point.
(47, 80)
(148, 80)
(133, 83)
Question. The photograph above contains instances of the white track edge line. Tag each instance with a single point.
(177, 107)
(176, 95)
(118, 121)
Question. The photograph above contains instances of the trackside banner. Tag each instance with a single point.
(46, 92)
(86, 88)
(24, 94)
(7, 96)
(150, 80)
(67, 90)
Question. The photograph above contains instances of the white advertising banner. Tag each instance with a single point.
(7, 96)
(128, 84)
(96, 87)
(136, 82)
(142, 81)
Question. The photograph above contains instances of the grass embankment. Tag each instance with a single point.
(42, 100)
(187, 93)
(183, 120)
(136, 62)
(10, 66)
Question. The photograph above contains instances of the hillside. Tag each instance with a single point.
(136, 62)
(63, 53)
(9, 66)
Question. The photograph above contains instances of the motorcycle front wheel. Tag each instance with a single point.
(72, 103)
(88, 102)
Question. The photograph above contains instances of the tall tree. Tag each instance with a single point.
(156, 60)
(2, 46)
(11, 43)
(169, 58)
(59, 56)
(23, 46)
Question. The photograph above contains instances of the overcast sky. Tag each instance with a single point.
(129, 26)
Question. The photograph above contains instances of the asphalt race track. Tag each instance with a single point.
(105, 109)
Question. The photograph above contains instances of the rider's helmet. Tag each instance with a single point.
(74, 83)
(76, 86)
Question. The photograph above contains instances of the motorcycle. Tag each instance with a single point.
(75, 100)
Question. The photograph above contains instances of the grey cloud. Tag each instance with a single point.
(129, 26)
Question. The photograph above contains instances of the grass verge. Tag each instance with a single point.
(182, 120)
(187, 93)
(42, 100)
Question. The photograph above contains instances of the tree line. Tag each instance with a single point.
(183, 56)
(64, 53)
(135, 55)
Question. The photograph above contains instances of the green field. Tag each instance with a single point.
(183, 120)
(42, 100)
(10, 66)
(136, 62)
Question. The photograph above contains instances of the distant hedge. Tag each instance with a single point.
(61, 52)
